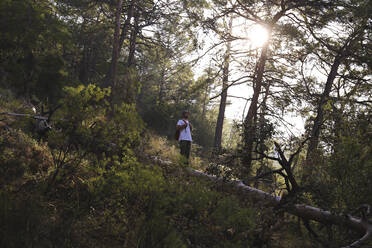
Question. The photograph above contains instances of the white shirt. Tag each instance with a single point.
(185, 134)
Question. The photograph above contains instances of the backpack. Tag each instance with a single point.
(178, 133)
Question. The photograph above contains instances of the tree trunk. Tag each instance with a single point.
(225, 83)
(356, 36)
(112, 76)
(125, 29)
(306, 212)
(161, 86)
(261, 147)
(162, 82)
(131, 75)
(133, 42)
(300, 210)
(318, 121)
(205, 100)
(86, 63)
(262, 120)
(249, 122)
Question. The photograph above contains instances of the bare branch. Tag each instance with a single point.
(26, 115)
(268, 173)
(361, 240)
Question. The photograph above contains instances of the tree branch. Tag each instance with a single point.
(360, 241)
(37, 117)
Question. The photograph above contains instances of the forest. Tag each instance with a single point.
(279, 96)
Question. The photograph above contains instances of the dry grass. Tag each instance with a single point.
(168, 150)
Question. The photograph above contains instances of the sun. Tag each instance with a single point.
(257, 35)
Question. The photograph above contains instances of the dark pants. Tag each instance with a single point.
(185, 146)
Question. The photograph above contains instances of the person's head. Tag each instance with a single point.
(185, 114)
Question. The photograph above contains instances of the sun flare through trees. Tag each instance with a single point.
(102, 102)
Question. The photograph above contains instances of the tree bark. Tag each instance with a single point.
(342, 53)
(318, 121)
(225, 83)
(133, 42)
(112, 76)
(306, 212)
(161, 85)
(205, 98)
(129, 80)
(249, 122)
(125, 29)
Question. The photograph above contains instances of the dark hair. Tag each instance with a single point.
(185, 112)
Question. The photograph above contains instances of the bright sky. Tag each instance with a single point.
(253, 37)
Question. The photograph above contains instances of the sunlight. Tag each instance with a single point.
(258, 35)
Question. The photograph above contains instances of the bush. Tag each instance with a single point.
(22, 157)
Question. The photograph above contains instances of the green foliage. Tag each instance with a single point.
(350, 166)
(31, 49)
(84, 102)
(24, 220)
(87, 125)
(86, 181)
(161, 112)
(21, 157)
(167, 214)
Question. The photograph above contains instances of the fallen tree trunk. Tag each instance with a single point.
(300, 210)
(304, 211)
(362, 225)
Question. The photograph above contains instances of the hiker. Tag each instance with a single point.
(184, 129)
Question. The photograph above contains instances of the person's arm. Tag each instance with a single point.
(190, 126)
(180, 127)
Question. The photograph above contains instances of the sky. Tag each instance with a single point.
(253, 37)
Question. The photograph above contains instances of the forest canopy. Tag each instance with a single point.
(279, 96)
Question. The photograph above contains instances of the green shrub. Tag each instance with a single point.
(21, 157)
